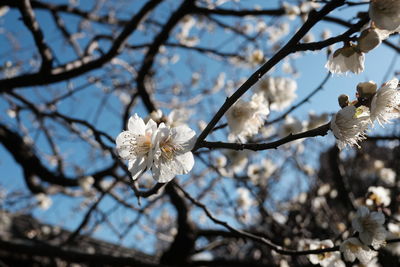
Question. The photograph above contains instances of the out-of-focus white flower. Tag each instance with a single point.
(259, 173)
(278, 91)
(86, 183)
(387, 175)
(394, 232)
(369, 225)
(349, 125)
(378, 196)
(277, 32)
(292, 11)
(385, 102)
(44, 201)
(307, 6)
(325, 259)
(183, 36)
(315, 120)
(243, 199)
(385, 14)
(352, 248)
(257, 57)
(137, 145)
(246, 118)
(237, 160)
(291, 126)
(346, 59)
(173, 154)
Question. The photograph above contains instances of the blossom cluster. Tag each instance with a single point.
(163, 149)
(350, 124)
(371, 232)
(385, 20)
(245, 118)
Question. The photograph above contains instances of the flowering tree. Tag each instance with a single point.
(200, 133)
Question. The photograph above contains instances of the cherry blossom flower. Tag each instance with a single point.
(137, 145)
(278, 91)
(385, 14)
(352, 248)
(369, 225)
(346, 59)
(349, 125)
(385, 102)
(246, 118)
(173, 154)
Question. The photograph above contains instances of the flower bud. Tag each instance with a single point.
(366, 89)
(368, 40)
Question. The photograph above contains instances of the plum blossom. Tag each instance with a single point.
(346, 59)
(378, 196)
(369, 225)
(173, 154)
(137, 145)
(246, 118)
(292, 11)
(244, 199)
(164, 150)
(278, 91)
(349, 125)
(259, 173)
(352, 248)
(44, 201)
(327, 258)
(385, 14)
(385, 102)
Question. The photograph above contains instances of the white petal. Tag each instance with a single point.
(136, 125)
(151, 126)
(184, 136)
(137, 167)
(124, 147)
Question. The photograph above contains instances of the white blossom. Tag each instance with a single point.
(137, 145)
(387, 175)
(244, 199)
(173, 154)
(385, 102)
(349, 125)
(246, 118)
(346, 59)
(315, 120)
(44, 201)
(292, 11)
(278, 91)
(378, 196)
(86, 183)
(256, 57)
(259, 173)
(326, 259)
(385, 14)
(290, 126)
(352, 248)
(369, 225)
